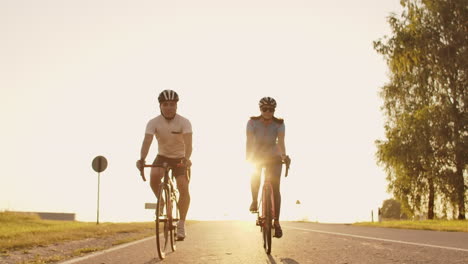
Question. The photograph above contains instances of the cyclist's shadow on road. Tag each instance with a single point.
(289, 261)
(152, 261)
(270, 259)
(157, 260)
(283, 260)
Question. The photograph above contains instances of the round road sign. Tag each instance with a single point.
(99, 164)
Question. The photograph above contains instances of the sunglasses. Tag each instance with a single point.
(267, 109)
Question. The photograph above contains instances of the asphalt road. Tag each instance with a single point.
(241, 242)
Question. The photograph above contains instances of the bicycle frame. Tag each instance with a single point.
(168, 197)
(166, 180)
(267, 214)
(267, 183)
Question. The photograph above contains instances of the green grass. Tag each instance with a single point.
(436, 225)
(23, 231)
(43, 260)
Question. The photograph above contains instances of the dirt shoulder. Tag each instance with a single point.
(66, 250)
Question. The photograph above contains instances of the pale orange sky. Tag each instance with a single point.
(80, 79)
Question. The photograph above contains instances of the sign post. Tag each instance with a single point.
(99, 165)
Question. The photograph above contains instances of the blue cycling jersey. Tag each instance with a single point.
(265, 141)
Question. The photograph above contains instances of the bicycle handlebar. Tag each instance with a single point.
(165, 166)
(287, 162)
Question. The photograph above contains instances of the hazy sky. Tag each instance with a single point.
(80, 79)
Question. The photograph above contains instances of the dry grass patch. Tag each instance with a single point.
(23, 231)
(436, 225)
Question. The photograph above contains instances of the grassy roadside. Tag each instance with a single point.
(436, 225)
(23, 231)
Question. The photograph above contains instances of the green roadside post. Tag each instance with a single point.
(99, 165)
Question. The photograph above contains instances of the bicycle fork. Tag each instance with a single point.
(265, 196)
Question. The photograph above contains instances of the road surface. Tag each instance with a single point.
(241, 242)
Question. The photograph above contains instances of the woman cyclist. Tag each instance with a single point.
(265, 143)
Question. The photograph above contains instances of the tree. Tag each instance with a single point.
(426, 104)
(409, 160)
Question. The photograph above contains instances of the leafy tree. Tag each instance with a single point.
(426, 104)
(409, 160)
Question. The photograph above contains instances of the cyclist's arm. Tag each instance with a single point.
(146, 146)
(188, 145)
(281, 145)
(249, 145)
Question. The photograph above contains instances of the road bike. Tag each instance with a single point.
(266, 207)
(167, 210)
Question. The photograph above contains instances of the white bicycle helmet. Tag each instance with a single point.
(267, 101)
(168, 95)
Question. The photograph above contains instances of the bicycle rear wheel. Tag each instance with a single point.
(174, 220)
(162, 223)
(268, 217)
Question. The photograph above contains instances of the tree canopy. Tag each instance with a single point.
(426, 106)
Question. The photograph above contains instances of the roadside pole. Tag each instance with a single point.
(99, 165)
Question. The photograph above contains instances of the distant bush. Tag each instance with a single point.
(391, 209)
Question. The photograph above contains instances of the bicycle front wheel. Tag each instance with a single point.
(173, 219)
(162, 223)
(268, 217)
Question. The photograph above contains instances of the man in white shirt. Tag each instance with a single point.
(174, 135)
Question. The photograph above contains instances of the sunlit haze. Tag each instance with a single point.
(81, 78)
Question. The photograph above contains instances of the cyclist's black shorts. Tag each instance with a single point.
(176, 171)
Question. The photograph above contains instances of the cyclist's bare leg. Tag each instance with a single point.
(184, 199)
(255, 186)
(275, 182)
(274, 172)
(156, 176)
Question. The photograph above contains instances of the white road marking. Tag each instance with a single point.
(378, 239)
(106, 251)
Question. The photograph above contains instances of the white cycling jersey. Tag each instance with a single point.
(169, 134)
